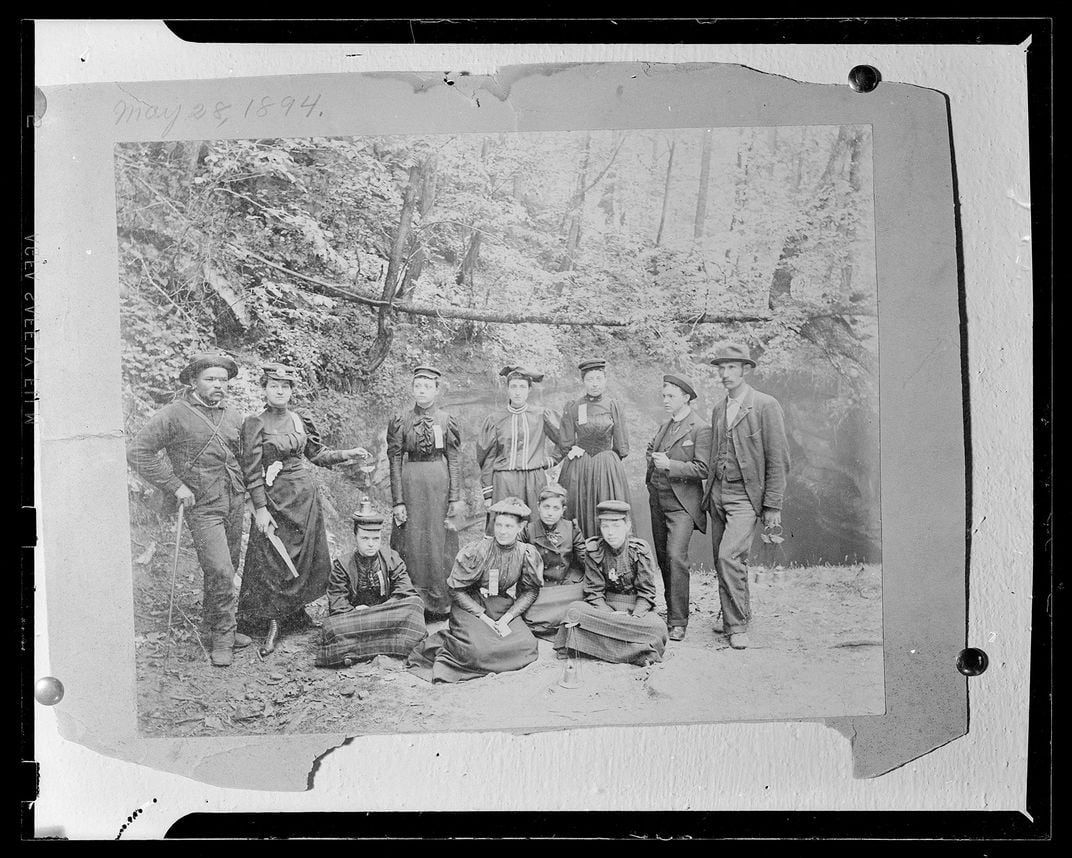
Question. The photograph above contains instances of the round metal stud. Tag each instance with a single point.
(864, 78)
(972, 661)
(48, 691)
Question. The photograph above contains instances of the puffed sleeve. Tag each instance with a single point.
(395, 443)
(487, 450)
(453, 441)
(621, 436)
(401, 585)
(339, 589)
(252, 459)
(567, 428)
(315, 449)
(528, 587)
(144, 453)
(465, 576)
(644, 572)
(595, 584)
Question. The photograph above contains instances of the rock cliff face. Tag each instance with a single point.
(832, 506)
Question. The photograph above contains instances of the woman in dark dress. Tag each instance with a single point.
(423, 451)
(486, 633)
(561, 548)
(594, 442)
(277, 446)
(373, 607)
(616, 621)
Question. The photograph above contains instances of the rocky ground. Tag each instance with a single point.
(816, 651)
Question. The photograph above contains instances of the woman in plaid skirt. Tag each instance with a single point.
(616, 621)
(374, 607)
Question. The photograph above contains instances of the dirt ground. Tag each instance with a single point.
(816, 652)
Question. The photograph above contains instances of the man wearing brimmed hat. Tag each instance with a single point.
(747, 472)
(677, 466)
(201, 471)
(374, 607)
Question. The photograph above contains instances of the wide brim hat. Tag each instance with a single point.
(511, 506)
(204, 360)
(425, 371)
(590, 364)
(732, 352)
(612, 509)
(683, 383)
(512, 371)
(280, 372)
(366, 518)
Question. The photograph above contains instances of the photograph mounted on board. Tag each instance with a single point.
(501, 431)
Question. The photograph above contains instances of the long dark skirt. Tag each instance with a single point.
(468, 649)
(393, 628)
(526, 485)
(269, 591)
(591, 480)
(546, 614)
(423, 542)
(612, 637)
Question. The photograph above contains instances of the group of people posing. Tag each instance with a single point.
(559, 559)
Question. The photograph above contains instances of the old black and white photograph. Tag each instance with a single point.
(501, 431)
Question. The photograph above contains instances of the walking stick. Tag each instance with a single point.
(174, 572)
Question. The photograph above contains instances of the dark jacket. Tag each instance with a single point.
(688, 444)
(564, 563)
(347, 586)
(631, 570)
(758, 433)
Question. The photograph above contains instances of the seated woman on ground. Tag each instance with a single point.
(615, 622)
(486, 632)
(561, 546)
(373, 607)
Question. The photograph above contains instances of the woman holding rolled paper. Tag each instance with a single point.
(486, 633)
(561, 548)
(593, 441)
(287, 560)
(616, 621)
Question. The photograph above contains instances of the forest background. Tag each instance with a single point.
(354, 259)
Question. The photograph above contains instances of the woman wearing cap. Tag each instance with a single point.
(286, 510)
(593, 440)
(561, 548)
(517, 444)
(486, 633)
(423, 451)
(616, 621)
(373, 607)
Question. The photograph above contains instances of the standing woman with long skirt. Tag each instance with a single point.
(277, 446)
(423, 448)
(594, 441)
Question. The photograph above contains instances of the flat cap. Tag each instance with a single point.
(553, 490)
(426, 372)
(612, 509)
(203, 360)
(512, 506)
(733, 352)
(590, 364)
(683, 383)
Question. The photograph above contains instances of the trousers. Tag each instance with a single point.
(216, 527)
(734, 521)
(671, 531)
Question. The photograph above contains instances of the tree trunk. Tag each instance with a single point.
(469, 262)
(666, 193)
(427, 201)
(399, 246)
(576, 207)
(701, 194)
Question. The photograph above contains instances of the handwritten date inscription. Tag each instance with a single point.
(218, 113)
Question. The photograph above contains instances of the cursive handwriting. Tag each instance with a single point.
(133, 110)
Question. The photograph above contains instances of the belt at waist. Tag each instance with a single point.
(421, 457)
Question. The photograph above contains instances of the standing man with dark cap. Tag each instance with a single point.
(677, 466)
(200, 435)
(748, 467)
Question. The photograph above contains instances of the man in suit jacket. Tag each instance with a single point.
(677, 465)
(747, 472)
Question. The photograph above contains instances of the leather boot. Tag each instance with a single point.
(270, 638)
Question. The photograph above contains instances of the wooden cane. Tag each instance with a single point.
(174, 572)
